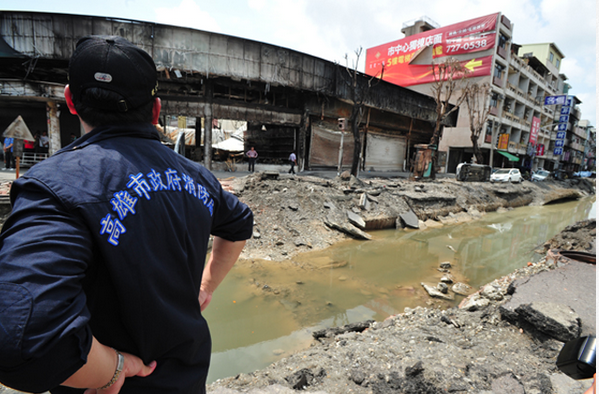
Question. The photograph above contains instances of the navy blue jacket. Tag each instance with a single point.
(109, 237)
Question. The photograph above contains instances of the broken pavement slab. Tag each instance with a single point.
(572, 285)
(556, 320)
(347, 228)
(356, 220)
(410, 219)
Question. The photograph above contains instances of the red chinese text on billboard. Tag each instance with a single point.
(397, 55)
(534, 130)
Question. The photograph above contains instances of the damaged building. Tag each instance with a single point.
(290, 101)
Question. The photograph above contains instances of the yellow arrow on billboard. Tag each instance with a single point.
(473, 63)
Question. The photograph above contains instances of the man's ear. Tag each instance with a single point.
(156, 110)
(69, 98)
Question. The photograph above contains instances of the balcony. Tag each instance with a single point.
(580, 132)
(498, 81)
(511, 117)
(576, 146)
(494, 111)
(549, 112)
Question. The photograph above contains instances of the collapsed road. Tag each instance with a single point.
(295, 214)
(488, 345)
(505, 338)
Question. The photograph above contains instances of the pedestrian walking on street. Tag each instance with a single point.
(252, 156)
(110, 295)
(9, 159)
(293, 162)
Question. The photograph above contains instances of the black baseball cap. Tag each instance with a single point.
(115, 64)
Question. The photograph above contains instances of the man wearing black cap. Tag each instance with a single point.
(102, 274)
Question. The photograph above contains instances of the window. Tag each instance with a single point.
(551, 57)
(557, 63)
(489, 130)
(498, 71)
(493, 102)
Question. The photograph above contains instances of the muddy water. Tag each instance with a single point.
(264, 311)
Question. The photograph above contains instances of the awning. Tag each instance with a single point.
(508, 155)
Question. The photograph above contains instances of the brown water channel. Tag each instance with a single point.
(264, 311)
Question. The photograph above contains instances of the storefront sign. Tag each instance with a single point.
(534, 130)
(558, 151)
(504, 139)
(540, 150)
(555, 100)
(559, 143)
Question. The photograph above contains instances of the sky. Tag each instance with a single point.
(334, 29)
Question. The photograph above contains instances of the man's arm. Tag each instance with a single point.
(223, 257)
(101, 366)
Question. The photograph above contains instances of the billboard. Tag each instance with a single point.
(471, 36)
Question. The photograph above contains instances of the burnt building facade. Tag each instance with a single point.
(290, 100)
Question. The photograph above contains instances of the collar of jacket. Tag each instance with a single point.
(143, 130)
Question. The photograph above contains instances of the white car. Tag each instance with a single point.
(540, 175)
(507, 175)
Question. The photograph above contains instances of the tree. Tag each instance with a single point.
(449, 81)
(478, 112)
(359, 93)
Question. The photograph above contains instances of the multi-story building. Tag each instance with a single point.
(589, 160)
(521, 130)
(564, 149)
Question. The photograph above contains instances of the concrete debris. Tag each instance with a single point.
(348, 229)
(434, 292)
(461, 289)
(556, 320)
(356, 220)
(409, 219)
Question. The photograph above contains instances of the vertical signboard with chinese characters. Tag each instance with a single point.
(534, 130)
(566, 103)
(470, 36)
(562, 125)
(504, 139)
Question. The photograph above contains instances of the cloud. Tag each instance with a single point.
(330, 29)
(257, 4)
(187, 14)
